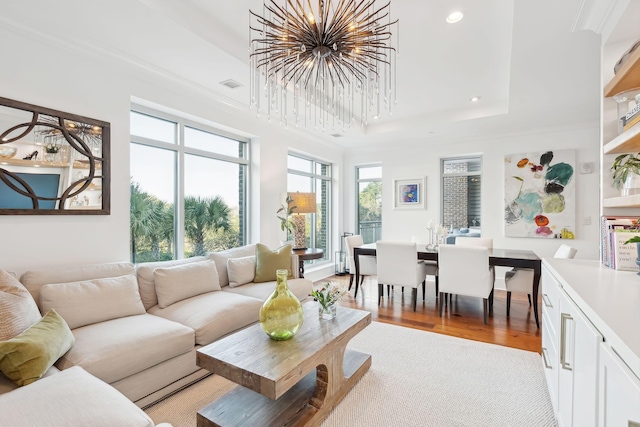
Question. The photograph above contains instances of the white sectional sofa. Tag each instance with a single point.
(137, 328)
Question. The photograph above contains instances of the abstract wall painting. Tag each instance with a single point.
(409, 193)
(540, 195)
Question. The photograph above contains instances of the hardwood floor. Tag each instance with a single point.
(463, 321)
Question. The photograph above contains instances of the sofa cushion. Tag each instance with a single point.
(117, 348)
(34, 280)
(18, 310)
(70, 398)
(268, 261)
(146, 282)
(212, 315)
(25, 358)
(241, 270)
(221, 257)
(301, 288)
(6, 385)
(180, 282)
(92, 301)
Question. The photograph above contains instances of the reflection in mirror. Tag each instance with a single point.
(52, 162)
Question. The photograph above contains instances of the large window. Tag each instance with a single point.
(188, 188)
(308, 175)
(369, 183)
(461, 192)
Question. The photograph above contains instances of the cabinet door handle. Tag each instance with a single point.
(546, 301)
(544, 358)
(563, 341)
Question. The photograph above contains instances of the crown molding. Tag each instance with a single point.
(599, 16)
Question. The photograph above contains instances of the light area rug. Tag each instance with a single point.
(417, 378)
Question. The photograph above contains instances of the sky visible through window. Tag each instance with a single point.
(153, 168)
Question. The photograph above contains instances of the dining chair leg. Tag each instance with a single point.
(508, 303)
(529, 296)
(424, 289)
(451, 298)
(437, 286)
(355, 293)
(491, 302)
(414, 297)
(380, 292)
(350, 280)
(485, 303)
(361, 280)
(441, 303)
(389, 290)
(403, 289)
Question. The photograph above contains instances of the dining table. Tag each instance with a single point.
(515, 258)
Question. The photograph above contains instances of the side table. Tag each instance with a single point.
(307, 254)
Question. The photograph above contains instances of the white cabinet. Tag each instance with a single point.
(578, 367)
(570, 346)
(619, 397)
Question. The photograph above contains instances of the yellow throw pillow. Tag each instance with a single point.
(268, 261)
(25, 358)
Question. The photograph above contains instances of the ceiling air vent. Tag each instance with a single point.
(337, 135)
(231, 84)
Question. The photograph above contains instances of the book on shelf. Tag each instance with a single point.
(608, 245)
(624, 254)
(628, 124)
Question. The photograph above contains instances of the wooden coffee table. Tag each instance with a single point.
(294, 383)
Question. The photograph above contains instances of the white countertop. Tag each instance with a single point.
(609, 298)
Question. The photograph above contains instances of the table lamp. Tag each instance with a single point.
(304, 203)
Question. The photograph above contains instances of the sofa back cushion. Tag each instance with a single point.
(36, 279)
(180, 282)
(147, 283)
(18, 310)
(92, 301)
(220, 258)
(241, 270)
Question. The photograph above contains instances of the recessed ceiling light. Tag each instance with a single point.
(474, 99)
(454, 17)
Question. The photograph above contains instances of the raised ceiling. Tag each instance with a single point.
(521, 57)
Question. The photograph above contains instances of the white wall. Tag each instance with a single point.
(424, 160)
(49, 74)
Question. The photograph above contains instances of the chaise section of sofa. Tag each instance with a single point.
(70, 398)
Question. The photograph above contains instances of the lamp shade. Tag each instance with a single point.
(303, 202)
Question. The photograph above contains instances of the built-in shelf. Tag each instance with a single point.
(622, 202)
(32, 163)
(627, 77)
(626, 142)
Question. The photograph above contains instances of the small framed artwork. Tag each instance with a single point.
(409, 194)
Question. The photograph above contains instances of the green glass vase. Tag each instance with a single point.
(281, 315)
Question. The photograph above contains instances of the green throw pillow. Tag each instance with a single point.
(268, 261)
(25, 358)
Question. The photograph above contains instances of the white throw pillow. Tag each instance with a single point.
(93, 301)
(241, 270)
(174, 284)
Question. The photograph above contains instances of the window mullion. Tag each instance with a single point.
(179, 179)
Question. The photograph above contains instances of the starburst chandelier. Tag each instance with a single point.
(327, 66)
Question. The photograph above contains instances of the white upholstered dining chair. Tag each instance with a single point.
(521, 279)
(368, 265)
(464, 270)
(485, 242)
(398, 265)
(432, 267)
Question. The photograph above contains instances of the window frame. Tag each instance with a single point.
(181, 150)
(459, 174)
(359, 180)
(314, 177)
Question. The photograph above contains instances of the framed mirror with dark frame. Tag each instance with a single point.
(51, 162)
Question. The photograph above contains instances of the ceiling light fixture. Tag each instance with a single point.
(455, 16)
(325, 64)
(474, 99)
